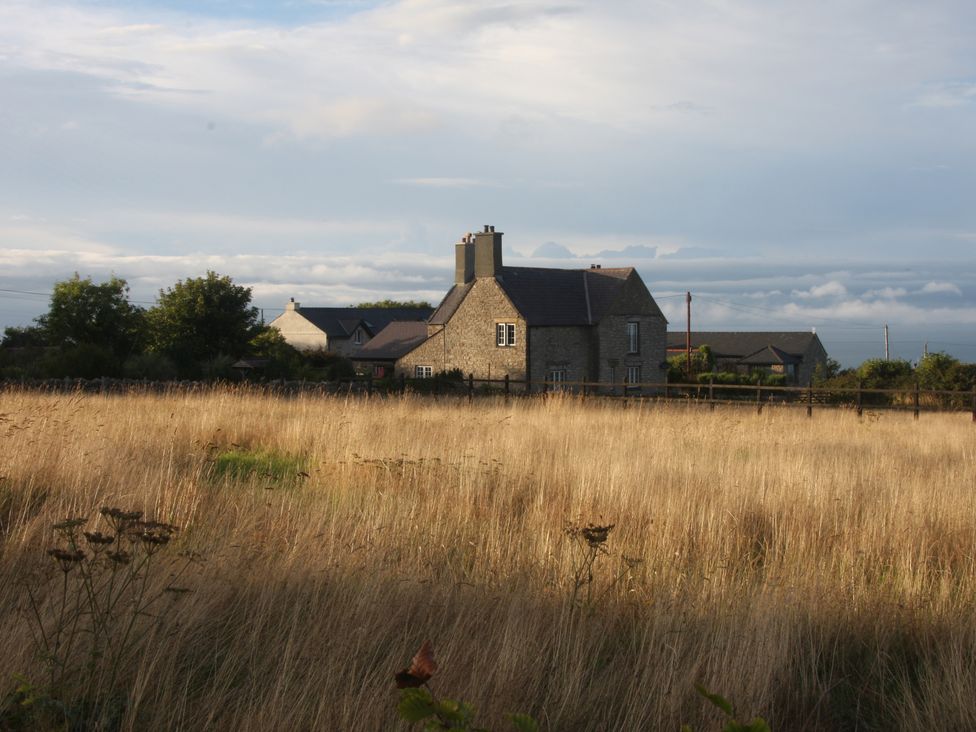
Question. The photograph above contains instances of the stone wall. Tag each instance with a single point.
(570, 348)
(468, 343)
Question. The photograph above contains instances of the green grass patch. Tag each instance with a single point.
(265, 466)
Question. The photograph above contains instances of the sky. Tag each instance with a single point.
(794, 165)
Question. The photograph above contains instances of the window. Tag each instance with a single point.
(556, 376)
(613, 374)
(505, 334)
(422, 372)
(633, 337)
(379, 371)
(633, 374)
(357, 336)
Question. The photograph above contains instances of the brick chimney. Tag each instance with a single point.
(464, 260)
(488, 253)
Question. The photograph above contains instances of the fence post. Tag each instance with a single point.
(974, 403)
(506, 387)
(859, 408)
(667, 391)
(470, 387)
(759, 398)
(810, 398)
(369, 385)
(711, 393)
(916, 400)
(403, 382)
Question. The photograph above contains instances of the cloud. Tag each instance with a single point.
(932, 288)
(631, 253)
(443, 182)
(948, 95)
(886, 293)
(828, 289)
(552, 250)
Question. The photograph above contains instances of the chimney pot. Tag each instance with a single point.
(486, 228)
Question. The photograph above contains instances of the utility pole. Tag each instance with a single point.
(886, 341)
(688, 336)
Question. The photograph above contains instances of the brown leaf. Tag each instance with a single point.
(422, 667)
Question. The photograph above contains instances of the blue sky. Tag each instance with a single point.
(794, 165)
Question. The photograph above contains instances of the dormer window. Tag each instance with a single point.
(357, 336)
(504, 334)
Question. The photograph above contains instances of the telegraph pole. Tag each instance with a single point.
(886, 341)
(688, 336)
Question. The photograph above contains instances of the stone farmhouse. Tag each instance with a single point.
(795, 354)
(339, 330)
(546, 325)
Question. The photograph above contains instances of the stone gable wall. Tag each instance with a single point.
(467, 341)
(299, 332)
(812, 357)
(635, 304)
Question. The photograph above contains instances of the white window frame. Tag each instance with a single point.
(357, 336)
(633, 336)
(633, 371)
(556, 376)
(423, 372)
(504, 334)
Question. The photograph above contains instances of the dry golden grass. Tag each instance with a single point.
(819, 572)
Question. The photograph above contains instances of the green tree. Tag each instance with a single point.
(198, 319)
(30, 336)
(100, 315)
(283, 359)
(824, 372)
(876, 373)
(938, 371)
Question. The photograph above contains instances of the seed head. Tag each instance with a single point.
(66, 558)
(120, 557)
(98, 540)
(67, 527)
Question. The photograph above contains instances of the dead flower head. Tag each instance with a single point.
(67, 527)
(120, 557)
(67, 558)
(98, 540)
(118, 519)
(592, 534)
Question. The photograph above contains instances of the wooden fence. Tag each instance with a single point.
(758, 396)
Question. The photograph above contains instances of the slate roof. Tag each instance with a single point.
(546, 296)
(770, 355)
(341, 322)
(746, 344)
(395, 340)
(450, 303)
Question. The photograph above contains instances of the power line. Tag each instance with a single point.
(781, 316)
(48, 294)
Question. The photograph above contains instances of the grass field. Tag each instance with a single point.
(818, 572)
